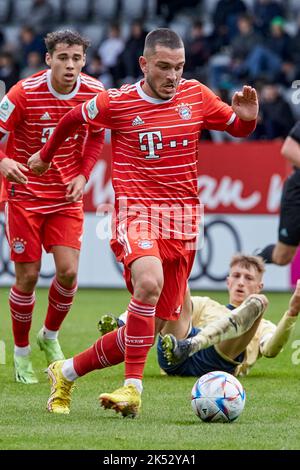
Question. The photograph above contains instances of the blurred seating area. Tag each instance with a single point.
(228, 43)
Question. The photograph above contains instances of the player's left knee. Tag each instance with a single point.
(67, 276)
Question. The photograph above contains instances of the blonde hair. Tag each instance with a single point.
(248, 261)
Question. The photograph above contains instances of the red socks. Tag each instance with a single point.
(60, 302)
(111, 348)
(107, 351)
(140, 328)
(21, 308)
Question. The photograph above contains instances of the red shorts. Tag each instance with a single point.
(177, 261)
(27, 231)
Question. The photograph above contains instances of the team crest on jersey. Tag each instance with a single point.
(18, 245)
(184, 111)
(6, 108)
(145, 244)
(92, 109)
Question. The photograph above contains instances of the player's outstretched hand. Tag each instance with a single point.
(294, 305)
(13, 171)
(245, 103)
(37, 166)
(75, 188)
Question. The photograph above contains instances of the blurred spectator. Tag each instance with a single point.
(30, 42)
(9, 71)
(279, 40)
(197, 52)
(1, 38)
(265, 11)
(34, 64)
(246, 39)
(129, 59)
(275, 115)
(96, 69)
(267, 59)
(41, 16)
(226, 15)
(110, 49)
(170, 8)
(295, 50)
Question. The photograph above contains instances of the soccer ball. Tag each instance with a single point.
(218, 397)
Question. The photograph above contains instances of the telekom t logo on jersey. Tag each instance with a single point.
(47, 133)
(152, 141)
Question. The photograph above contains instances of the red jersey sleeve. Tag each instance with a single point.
(12, 108)
(96, 111)
(92, 150)
(217, 115)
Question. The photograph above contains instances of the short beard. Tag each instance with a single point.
(154, 91)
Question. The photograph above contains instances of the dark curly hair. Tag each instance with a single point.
(65, 36)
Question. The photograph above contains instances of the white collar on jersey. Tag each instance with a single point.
(62, 96)
(148, 98)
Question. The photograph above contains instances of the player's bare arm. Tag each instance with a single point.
(275, 343)
(36, 164)
(75, 188)
(13, 171)
(245, 104)
(294, 304)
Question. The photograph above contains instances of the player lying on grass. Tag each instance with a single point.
(185, 348)
(199, 341)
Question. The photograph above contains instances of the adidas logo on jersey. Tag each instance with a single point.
(138, 121)
(284, 232)
(45, 116)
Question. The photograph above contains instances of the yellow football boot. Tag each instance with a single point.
(61, 389)
(125, 400)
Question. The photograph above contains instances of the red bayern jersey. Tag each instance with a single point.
(30, 112)
(155, 142)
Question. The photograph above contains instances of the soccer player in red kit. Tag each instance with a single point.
(155, 125)
(46, 212)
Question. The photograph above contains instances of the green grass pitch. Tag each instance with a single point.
(270, 419)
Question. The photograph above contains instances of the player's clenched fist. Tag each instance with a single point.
(37, 165)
